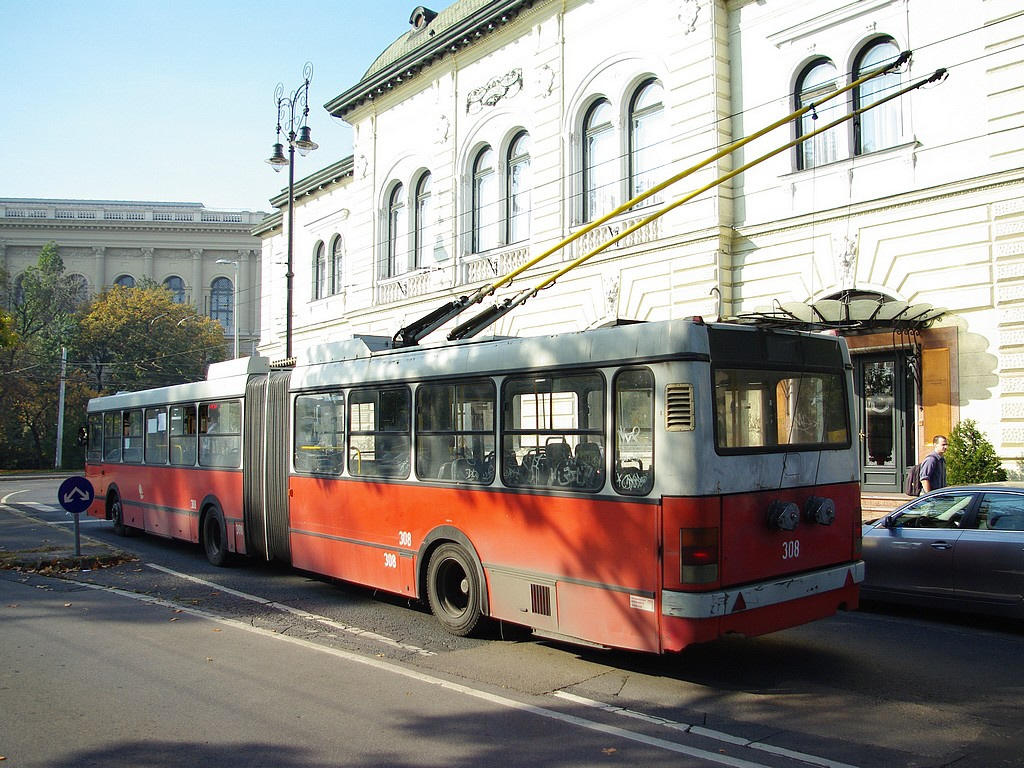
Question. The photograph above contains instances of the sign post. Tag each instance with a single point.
(75, 495)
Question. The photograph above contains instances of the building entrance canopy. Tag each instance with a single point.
(858, 314)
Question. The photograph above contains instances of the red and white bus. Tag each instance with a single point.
(643, 486)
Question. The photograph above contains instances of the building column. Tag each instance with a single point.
(147, 263)
(198, 281)
(99, 254)
(246, 303)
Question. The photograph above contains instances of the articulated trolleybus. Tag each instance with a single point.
(642, 486)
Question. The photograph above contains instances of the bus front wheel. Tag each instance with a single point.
(215, 538)
(453, 589)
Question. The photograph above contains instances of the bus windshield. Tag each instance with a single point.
(759, 410)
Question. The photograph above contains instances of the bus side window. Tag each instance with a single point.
(220, 434)
(94, 451)
(320, 432)
(132, 437)
(379, 426)
(634, 432)
(183, 435)
(553, 432)
(112, 436)
(156, 435)
(455, 432)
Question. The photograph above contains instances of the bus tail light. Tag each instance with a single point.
(698, 555)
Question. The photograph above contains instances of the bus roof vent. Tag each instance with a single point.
(679, 407)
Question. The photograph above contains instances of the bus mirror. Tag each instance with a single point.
(820, 510)
(784, 515)
(83, 436)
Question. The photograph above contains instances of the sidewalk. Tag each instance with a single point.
(30, 544)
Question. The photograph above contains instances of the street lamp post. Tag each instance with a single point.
(294, 122)
(234, 311)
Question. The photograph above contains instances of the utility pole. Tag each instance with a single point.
(60, 408)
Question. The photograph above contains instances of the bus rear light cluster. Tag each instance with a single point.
(785, 515)
(698, 555)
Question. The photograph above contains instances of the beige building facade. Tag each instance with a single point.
(201, 254)
(491, 131)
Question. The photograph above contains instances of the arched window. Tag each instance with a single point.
(646, 139)
(423, 230)
(396, 251)
(320, 271)
(600, 177)
(519, 189)
(222, 302)
(337, 263)
(125, 281)
(818, 79)
(485, 202)
(176, 286)
(881, 127)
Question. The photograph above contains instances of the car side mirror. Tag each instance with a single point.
(83, 436)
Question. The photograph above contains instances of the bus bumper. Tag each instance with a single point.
(759, 608)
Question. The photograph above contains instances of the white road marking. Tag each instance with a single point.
(698, 730)
(386, 666)
(357, 631)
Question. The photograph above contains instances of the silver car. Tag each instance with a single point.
(960, 548)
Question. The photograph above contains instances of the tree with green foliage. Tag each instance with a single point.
(138, 338)
(41, 305)
(971, 458)
(8, 337)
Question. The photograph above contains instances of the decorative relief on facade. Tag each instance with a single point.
(361, 166)
(503, 87)
(611, 295)
(442, 130)
(845, 253)
(545, 80)
(689, 10)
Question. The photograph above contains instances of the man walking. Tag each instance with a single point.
(933, 467)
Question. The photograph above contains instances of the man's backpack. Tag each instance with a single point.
(912, 485)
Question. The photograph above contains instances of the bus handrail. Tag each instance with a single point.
(412, 333)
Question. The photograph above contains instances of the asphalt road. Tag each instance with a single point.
(161, 659)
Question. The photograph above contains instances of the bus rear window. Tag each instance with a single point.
(756, 410)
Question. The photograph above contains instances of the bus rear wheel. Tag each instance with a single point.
(453, 589)
(215, 538)
(117, 517)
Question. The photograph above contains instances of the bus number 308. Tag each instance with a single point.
(791, 549)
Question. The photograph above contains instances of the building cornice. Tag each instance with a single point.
(316, 181)
(427, 46)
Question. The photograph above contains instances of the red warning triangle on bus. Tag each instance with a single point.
(740, 604)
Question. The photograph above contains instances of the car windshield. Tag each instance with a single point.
(940, 511)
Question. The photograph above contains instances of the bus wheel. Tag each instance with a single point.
(117, 516)
(215, 538)
(453, 589)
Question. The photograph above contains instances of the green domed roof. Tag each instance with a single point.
(458, 26)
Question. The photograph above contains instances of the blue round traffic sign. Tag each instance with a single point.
(75, 494)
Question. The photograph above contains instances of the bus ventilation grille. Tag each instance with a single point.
(679, 407)
(540, 597)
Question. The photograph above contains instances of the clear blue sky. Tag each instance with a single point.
(174, 101)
